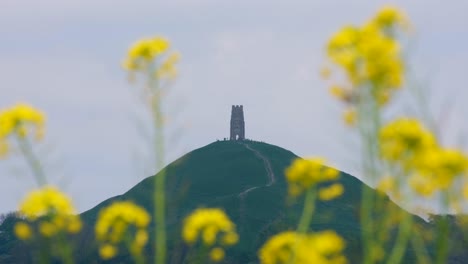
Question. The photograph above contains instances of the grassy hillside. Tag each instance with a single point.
(246, 179)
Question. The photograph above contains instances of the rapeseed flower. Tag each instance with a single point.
(212, 227)
(404, 140)
(371, 59)
(307, 173)
(331, 192)
(23, 231)
(20, 120)
(389, 16)
(436, 169)
(324, 247)
(52, 210)
(151, 55)
(217, 254)
(407, 143)
(115, 223)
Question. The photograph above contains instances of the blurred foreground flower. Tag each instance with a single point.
(151, 55)
(122, 222)
(20, 121)
(213, 227)
(405, 142)
(371, 60)
(50, 211)
(304, 174)
(324, 247)
(48, 217)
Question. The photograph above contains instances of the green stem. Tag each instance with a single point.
(307, 211)
(366, 224)
(401, 242)
(32, 160)
(442, 240)
(66, 250)
(159, 182)
(368, 124)
(421, 252)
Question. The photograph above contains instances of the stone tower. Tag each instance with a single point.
(237, 123)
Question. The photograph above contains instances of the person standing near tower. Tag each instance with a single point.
(237, 123)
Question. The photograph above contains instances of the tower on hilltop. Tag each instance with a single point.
(237, 123)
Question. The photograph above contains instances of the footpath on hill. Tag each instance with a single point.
(268, 168)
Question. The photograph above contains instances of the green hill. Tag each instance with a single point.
(246, 179)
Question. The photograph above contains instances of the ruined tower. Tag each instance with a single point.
(237, 123)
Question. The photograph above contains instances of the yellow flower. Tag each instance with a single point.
(148, 49)
(386, 184)
(53, 209)
(208, 224)
(390, 16)
(230, 238)
(331, 192)
(423, 186)
(324, 247)
(306, 173)
(4, 148)
(349, 117)
(20, 120)
(141, 238)
(370, 57)
(23, 231)
(47, 229)
(217, 254)
(465, 190)
(74, 226)
(151, 54)
(167, 68)
(114, 223)
(213, 227)
(107, 251)
(403, 140)
(46, 201)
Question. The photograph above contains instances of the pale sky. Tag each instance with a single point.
(64, 57)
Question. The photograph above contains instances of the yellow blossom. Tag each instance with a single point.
(53, 209)
(349, 117)
(217, 254)
(167, 68)
(20, 120)
(47, 229)
(437, 169)
(213, 228)
(208, 224)
(114, 223)
(390, 16)
(230, 238)
(465, 190)
(370, 57)
(386, 184)
(331, 192)
(107, 251)
(152, 56)
(306, 173)
(3, 148)
(324, 247)
(403, 140)
(23, 231)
